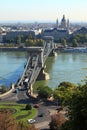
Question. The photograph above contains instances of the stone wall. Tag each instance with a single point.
(11, 90)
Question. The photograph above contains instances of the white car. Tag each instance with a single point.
(31, 121)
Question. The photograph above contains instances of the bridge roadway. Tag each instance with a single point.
(35, 62)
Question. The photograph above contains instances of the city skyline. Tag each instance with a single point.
(43, 10)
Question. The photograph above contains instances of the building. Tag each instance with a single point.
(60, 31)
(57, 23)
(55, 33)
(63, 23)
(14, 34)
(82, 31)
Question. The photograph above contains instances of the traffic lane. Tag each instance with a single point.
(15, 96)
(22, 95)
(11, 97)
(43, 114)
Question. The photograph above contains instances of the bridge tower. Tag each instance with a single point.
(49, 41)
(35, 52)
(36, 62)
(40, 59)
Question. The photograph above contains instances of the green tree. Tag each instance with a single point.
(57, 121)
(29, 36)
(19, 39)
(67, 85)
(28, 107)
(39, 42)
(4, 88)
(77, 37)
(7, 122)
(44, 91)
(77, 109)
(64, 92)
(74, 43)
(64, 42)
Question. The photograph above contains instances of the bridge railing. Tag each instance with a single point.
(34, 69)
(36, 74)
(22, 77)
(46, 54)
(37, 68)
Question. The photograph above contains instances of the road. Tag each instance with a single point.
(43, 126)
(45, 108)
(19, 96)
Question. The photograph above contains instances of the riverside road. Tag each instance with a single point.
(45, 108)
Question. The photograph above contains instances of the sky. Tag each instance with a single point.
(43, 10)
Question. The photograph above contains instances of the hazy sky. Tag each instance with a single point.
(47, 10)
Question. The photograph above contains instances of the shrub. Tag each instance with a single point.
(28, 107)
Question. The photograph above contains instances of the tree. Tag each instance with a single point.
(19, 39)
(7, 122)
(28, 107)
(4, 89)
(67, 85)
(64, 92)
(44, 91)
(29, 36)
(57, 121)
(74, 43)
(77, 110)
(39, 42)
(63, 42)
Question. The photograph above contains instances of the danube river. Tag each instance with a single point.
(70, 67)
(11, 66)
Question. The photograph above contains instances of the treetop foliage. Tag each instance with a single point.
(7, 122)
(75, 99)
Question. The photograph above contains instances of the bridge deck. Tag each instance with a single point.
(33, 68)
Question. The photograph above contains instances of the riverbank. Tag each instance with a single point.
(8, 92)
(5, 49)
(20, 49)
(65, 49)
(73, 49)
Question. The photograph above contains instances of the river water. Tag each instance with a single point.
(70, 67)
(11, 66)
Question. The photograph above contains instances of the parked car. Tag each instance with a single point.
(41, 115)
(31, 121)
(36, 105)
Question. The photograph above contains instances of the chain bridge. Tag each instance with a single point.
(36, 63)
